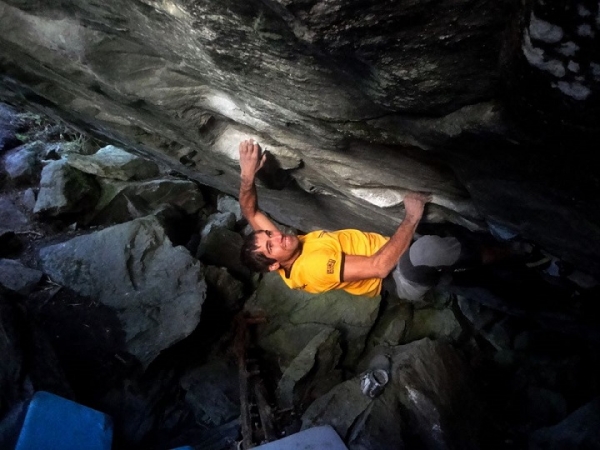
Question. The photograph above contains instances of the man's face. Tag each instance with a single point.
(284, 248)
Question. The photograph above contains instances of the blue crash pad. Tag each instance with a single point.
(55, 423)
(321, 438)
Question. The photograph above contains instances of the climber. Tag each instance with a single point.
(352, 260)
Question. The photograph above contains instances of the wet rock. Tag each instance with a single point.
(23, 163)
(156, 289)
(16, 277)
(65, 190)
(124, 201)
(113, 162)
(313, 372)
(296, 317)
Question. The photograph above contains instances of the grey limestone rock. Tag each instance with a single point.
(221, 247)
(121, 201)
(226, 203)
(219, 220)
(12, 218)
(156, 289)
(64, 190)
(116, 163)
(16, 277)
(313, 372)
(23, 163)
(296, 317)
(428, 403)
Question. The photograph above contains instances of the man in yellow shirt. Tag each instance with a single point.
(352, 260)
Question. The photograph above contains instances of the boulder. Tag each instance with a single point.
(312, 373)
(430, 402)
(433, 324)
(12, 218)
(212, 391)
(65, 190)
(340, 408)
(123, 201)
(228, 204)
(28, 199)
(221, 247)
(228, 290)
(22, 164)
(16, 277)
(294, 318)
(392, 324)
(219, 220)
(156, 289)
(116, 163)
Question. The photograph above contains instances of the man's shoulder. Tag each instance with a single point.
(329, 234)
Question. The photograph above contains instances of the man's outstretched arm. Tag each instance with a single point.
(251, 161)
(381, 263)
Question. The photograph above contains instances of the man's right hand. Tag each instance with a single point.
(251, 159)
(414, 204)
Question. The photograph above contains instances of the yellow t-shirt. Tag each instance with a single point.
(319, 267)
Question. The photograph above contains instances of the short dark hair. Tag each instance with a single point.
(252, 258)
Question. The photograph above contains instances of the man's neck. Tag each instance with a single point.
(287, 266)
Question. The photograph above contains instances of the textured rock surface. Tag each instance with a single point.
(312, 373)
(123, 201)
(64, 190)
(23, 163)
(346, 95)
(429, 403)
(16, 277)
(292, 325)
(156, 289)
(113, 162)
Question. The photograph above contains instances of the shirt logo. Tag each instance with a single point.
(300, 287)
(330, 266)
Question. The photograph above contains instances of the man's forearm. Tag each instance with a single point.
(387, 256)
(248, 196)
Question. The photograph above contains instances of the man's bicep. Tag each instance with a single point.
(358, 268)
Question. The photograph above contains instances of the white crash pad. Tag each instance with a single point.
(323, 437)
